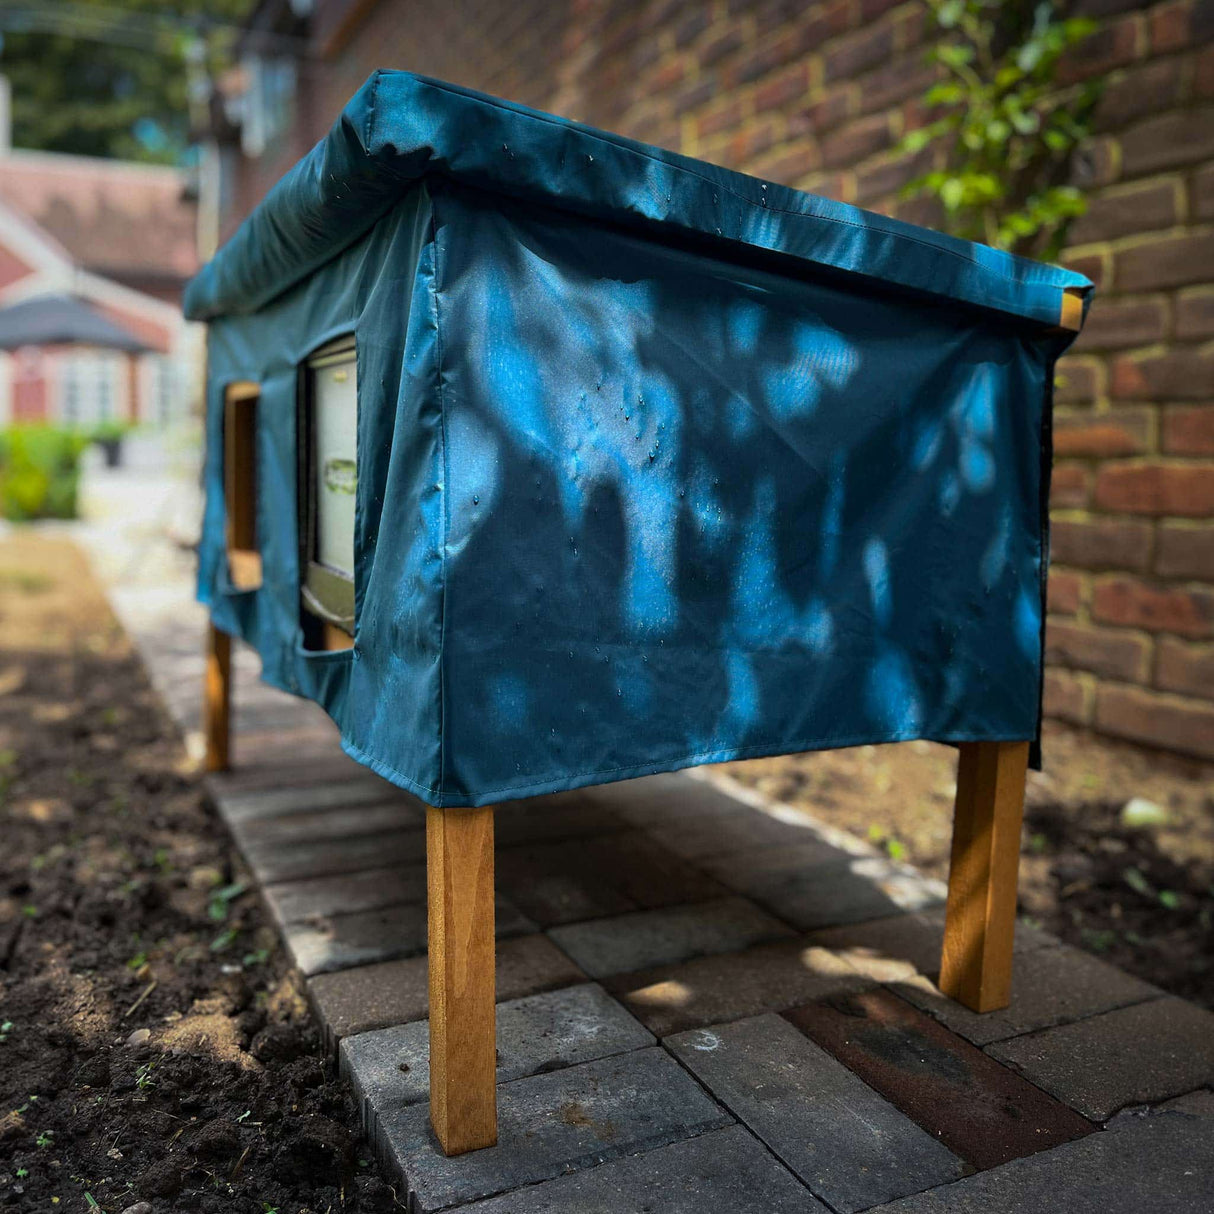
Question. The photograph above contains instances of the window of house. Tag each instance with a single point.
(328, 481)
(240, 484)
(90, 388)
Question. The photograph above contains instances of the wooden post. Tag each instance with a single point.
(976, 966)
(463, 1031)
(217, 697)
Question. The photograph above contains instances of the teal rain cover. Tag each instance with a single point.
(657, 464)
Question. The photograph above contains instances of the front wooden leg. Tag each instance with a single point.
(217, 696)
(463, 1031)
(976, 966)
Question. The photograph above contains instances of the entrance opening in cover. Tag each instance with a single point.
(328, 481)
(240, 483)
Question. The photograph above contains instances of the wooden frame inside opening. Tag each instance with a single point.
(240, 483)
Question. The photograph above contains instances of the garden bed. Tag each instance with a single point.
(154, 1045)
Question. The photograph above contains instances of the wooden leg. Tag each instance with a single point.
(976, 967)
(463, 1031)
(218, 696)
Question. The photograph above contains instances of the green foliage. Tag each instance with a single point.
(39, 472)
(112, 77)
(1008, 129)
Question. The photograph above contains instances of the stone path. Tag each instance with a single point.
(707, 1001)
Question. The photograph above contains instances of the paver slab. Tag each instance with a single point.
(323, 943)
(390, 1067)
(570, 815)
(346, 893)
(1135, 1055)
(980, 1110)
(327, 857)
(1049, 986)
(1160, 1165)
(376, 996)
(604, 875)
(849, 1145)
(656, 937)
(770, 977)
(726, 833)
(723, 1170)
(299, 796)
(555, 1123)
(259, 835)
(663, 798)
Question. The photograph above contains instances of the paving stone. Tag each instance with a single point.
(900, 946)
(569, 815)
(375, 996)
(390, 1067)
(1049, 986)
(555, 1123)
(826, 895)
(771, 977)
(980, 1110)
(323, 943)
(262, 835)
(302, 798)
(1135, 1055)
(726, 833)
(327, 857)
(849, 1145)
(1196, 1104)
(659, 937)
(1160, 1165)
(347, 893)
(724, 1170)
(662, 799)
(590, 878)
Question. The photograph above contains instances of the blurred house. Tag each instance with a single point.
(816, 94)
(93, 257)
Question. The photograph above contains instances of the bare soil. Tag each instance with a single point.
(1142, 897)
(154, 1045)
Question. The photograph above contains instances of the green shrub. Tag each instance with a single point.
(39, 472)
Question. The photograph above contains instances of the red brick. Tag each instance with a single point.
(722, 118)
(1203, 74)
(1166, 721)
(668, 75)
(1138, 93)
(1116, 324)
(1131, 603)
(1189, 431)
(1195, 312)
(1101, 543)
(1065, 697)
(692, 95)
(1112, 46)
(1201, 21)
(1169, 26)
(1069, 486)
(1178, 489)
(1065, 592)
(1180, 374)
(1125, 211)
(1097, 162)
(782, 87)
(1185, 550)
(1122, 431)
(789, 165)
(859, 52)
(824, 114)
(905, 77)
(752, 139)
(1096, 266)
(1179, 138)
(1185, 668)
(756, 62)
(885, 178)
(1103, 651)
(1076, 380)
(856, 140)
(1201, 192)
(719, 45)
(829, 21)
(1168, 261)
(692, 26)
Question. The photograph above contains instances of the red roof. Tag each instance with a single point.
(122, 220)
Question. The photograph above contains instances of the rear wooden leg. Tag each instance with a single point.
(976, 966)
(217, 695)
(463, 1034)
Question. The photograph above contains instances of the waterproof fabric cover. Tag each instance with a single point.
(658, 464)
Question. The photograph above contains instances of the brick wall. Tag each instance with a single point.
(816, 95)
